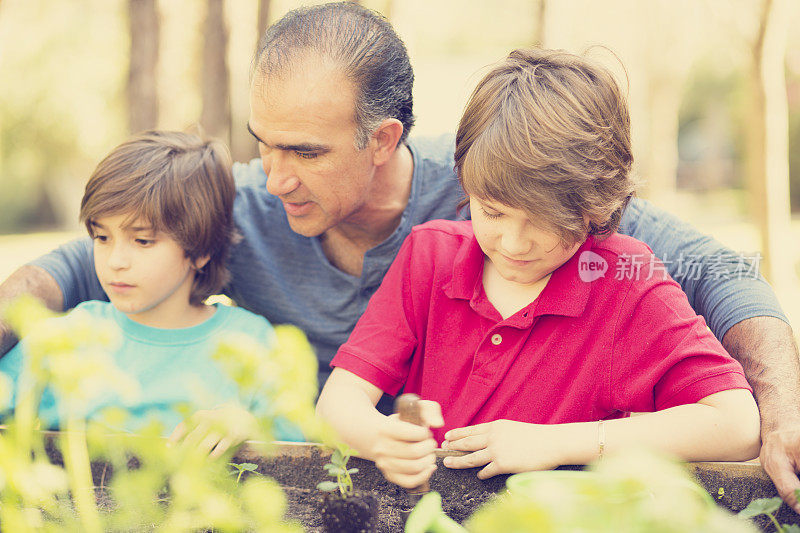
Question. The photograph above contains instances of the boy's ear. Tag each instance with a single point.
(386, 138)
(200, 262)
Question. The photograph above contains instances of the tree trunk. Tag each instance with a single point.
(661, 159)
(142, 81)
(538, 28)
(216, 115)
(263, 17)
(768, 142)
(667, 56)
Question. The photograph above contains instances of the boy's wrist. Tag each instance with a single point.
(581, 443)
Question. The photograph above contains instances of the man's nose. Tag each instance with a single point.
(281, 177)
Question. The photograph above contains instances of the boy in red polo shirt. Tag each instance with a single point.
(535, 326)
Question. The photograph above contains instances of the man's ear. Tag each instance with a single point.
(386, 137)
(200, 262)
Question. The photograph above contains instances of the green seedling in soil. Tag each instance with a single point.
(338, 468)
(428, 517)
(241, 468)
(768, 507)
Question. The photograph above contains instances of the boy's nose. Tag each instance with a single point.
(516, 245)
(118, 258)
(281, 178)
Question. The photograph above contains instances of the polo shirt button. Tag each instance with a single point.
(497, 339)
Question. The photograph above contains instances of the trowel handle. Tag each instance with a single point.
(407, 407)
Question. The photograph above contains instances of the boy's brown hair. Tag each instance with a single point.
(180, 184)
(548, 132)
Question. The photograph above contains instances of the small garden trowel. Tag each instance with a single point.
(407, 407)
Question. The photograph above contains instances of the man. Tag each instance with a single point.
(339, 185)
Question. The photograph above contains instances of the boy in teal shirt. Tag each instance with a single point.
(159, 210)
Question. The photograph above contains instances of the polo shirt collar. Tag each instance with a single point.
(467, 271)
(565, 293)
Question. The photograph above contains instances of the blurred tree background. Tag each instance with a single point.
(714, 90)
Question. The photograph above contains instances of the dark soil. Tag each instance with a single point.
(461, 495)
(357, 513)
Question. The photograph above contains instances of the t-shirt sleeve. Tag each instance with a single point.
(721, 285)
(382, 344)
(72, 266)
(663, 353)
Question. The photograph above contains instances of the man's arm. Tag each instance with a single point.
(766, 349)
(723, 286)
(743, 312)
(29, 279)
(62, 278)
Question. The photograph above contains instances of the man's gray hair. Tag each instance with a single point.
(365, 45)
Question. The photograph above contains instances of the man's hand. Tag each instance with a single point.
(405, 452)
(766, 349)
(780, 457)
(505, 446)
(214, 431)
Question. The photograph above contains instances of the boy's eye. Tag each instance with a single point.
(99, 238)
(487, 214)
(144, 242)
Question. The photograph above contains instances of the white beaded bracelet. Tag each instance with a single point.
(601, 439)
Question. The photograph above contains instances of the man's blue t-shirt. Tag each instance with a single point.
(168, 367)
(286, 277)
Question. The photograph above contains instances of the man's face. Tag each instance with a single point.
(304, 121)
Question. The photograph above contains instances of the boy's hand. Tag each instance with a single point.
(505, 446)
(405, 452)
(214, 431)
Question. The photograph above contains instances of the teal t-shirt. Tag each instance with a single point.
(171, 366)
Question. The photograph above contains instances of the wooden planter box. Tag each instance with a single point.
(298, 468)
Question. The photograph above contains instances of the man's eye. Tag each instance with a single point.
(306, 155)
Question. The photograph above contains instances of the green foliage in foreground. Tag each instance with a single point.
(632, 492)
(172, 488)
(768, 507)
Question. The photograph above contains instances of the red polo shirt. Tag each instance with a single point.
(582, 351)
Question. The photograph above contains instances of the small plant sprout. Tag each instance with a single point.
(768, 507)
(338, 468)
(428, 517)
(241, 468)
